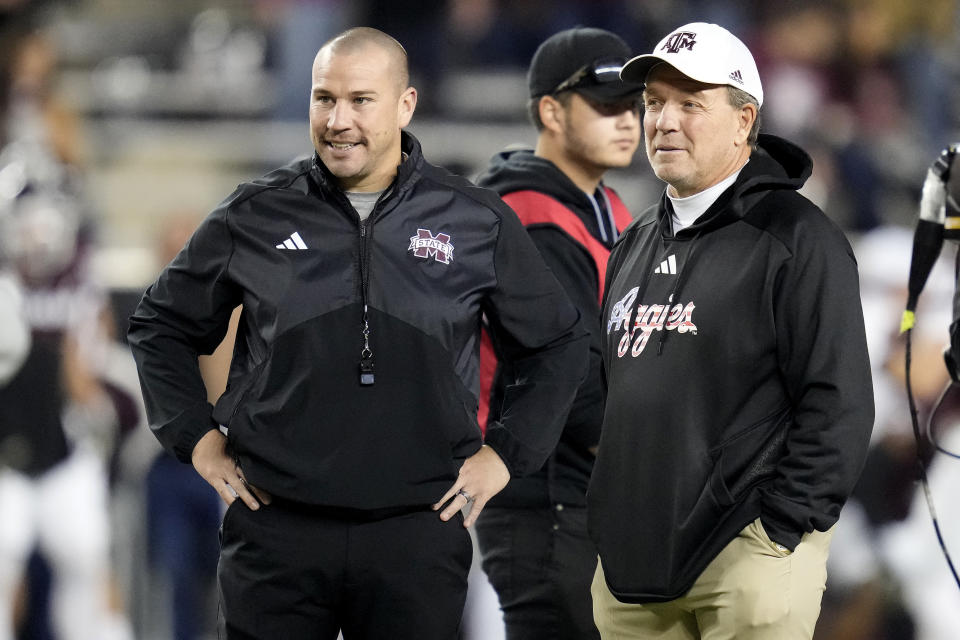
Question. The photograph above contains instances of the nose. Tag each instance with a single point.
(339, 116)
(667, 118)
(628, 119)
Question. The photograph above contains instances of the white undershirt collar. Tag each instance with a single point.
(687, 210)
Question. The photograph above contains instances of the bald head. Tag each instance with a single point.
(359, 103)
(359, 38)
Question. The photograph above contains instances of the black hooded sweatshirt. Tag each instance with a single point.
(743, 388)
(575, 245)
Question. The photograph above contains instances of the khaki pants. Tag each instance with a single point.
(751, 591)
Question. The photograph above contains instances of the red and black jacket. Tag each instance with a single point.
(574, 237)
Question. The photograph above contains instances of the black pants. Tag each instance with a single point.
(541, 564)
(303, 573)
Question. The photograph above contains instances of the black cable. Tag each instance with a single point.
(921, 468)
(930, 431)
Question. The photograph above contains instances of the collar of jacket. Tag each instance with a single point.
(521, 170)
(408, 171)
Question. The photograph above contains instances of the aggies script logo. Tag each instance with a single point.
(647, 319)
(425, 244)
(680, 40)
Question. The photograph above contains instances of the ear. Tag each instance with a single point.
(746, 116)
(551, 114)
(406, 106)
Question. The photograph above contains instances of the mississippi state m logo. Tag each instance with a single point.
(680, 40)
(426, 245)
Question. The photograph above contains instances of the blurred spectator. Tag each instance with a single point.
(803, 55)
(58, 416)
(910, 547)
(298, 27)
(502, 34)
(14, 330)
(865, 84)
(420, 25)
(863, 598)
(505, 33)
(910, 42)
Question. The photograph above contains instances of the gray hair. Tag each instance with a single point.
(738, 98)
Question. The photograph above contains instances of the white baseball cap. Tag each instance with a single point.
(705, 52)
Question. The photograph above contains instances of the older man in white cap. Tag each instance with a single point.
(739, 402)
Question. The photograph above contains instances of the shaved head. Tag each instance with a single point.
(358, 38)
(360, 101)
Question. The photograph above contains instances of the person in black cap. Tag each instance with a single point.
(533, 535)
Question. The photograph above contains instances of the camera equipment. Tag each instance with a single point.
(939, 219)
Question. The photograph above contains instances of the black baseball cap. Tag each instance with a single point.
(585, 60)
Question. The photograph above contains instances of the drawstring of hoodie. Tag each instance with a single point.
(675, 292)
(676, 288)
(610, 219)
(603, 225)
(648, 269)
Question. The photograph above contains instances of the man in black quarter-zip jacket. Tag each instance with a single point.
(739, 401)
(349, 417)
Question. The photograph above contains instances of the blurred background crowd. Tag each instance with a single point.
(122, 123)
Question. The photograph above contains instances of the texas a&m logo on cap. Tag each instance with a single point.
(680, 40)
(426, 245)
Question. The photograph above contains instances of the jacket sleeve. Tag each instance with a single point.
(823, 359)
(539, 333)
(183, 314)
(577, 274)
